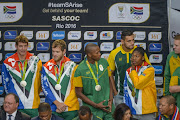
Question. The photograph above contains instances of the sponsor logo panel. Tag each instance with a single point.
(158, 69)
(157, 103)
(41, 93)
(58, 35)
(76, 57)
(155, 47)
(28, 34)
(154, 36)
(74, 46)
(155, 58)
(129, 13)
(42, 99)
(9, 46)
(159, 80)
(42, 46)
(74, 35)
(1, 100)
(90, 35)
(44, 56)
(107, 46)
(143, 45)
(106, 35)
(118, 35)
(30, 46)
(159, 92)
(10, 11)
(105, 55)
(139, 35)
(10, 34)
(42, 35)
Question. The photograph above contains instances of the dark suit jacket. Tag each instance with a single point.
(53, 117)
(19, 116)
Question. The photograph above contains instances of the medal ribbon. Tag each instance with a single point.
(23, 72)
(95, 79)
(58, 77)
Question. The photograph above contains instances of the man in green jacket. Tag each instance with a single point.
(172, 72)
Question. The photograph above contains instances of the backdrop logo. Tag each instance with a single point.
(76, 57)
(154, 36)
(158, 69)
(96, 43)
(118, 35)
(129, 13)
(10, 35)
(106, 35)
(139, 35)
(9, 46)
(8, 55)
(90, 35)
(74, 35)
(107, 46)
(58, 35)
(74, 46)
(159, 80)
(105, 56)
(155, 47)
(28, 34)
(120, 11)
(42, 35)
(44, 56)
(143, 45)
(155, 58)
(159, 92)
(136, 12)
(30, 46)
(10, 12)
(42, 46)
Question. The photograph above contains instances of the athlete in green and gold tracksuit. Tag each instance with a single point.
(99, 100)
(172, 75)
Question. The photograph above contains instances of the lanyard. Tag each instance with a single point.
(23, 72)
(95, 79)
(58, 77)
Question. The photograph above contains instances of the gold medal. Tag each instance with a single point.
(133, 93)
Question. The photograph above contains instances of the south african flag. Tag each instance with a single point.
(136, 10)
(9, 9)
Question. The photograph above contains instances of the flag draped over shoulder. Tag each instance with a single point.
(134, 95)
